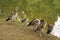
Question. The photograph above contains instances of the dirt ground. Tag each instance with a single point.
(17, 31)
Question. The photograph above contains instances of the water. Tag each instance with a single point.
(56, 28)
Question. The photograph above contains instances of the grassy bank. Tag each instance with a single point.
(42, 9)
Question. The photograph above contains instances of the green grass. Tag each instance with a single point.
(44, 9)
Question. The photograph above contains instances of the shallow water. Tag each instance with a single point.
(56, 28)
